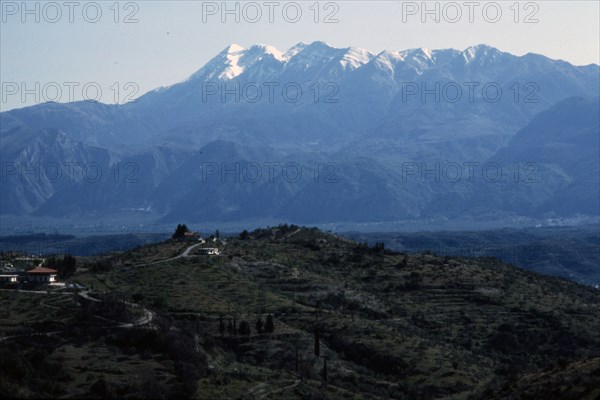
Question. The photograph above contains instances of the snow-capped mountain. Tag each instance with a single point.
(263, 62)
(367, 113)
(258, 62)
(347, 94)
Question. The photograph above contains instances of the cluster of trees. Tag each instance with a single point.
(180, 231)
(66, 266)
(285, 228)
(244, 329)
(280, 230)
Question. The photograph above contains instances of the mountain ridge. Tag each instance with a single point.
(365, 138)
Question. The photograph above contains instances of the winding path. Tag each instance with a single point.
(186, 253)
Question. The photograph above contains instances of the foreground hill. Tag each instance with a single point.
(388, 325)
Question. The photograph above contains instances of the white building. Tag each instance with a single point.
(42, 275)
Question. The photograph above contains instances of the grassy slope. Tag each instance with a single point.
(391, 324)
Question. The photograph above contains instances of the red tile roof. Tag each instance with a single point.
(42, 270)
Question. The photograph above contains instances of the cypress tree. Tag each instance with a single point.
(221, 325)
(269, 325)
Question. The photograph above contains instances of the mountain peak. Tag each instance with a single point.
(425, 51)
(355, 57)
(420, 59)
(267, 49)
(232, 48)
(292, 51)
(320, 44)
(235, 59)
(479, 50)
(232, 68)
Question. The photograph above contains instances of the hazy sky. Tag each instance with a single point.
(67, 46)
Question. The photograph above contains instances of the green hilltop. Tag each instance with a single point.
(348, 321)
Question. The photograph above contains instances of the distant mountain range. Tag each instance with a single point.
(319, 134)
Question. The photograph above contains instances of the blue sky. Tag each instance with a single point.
(164, 42)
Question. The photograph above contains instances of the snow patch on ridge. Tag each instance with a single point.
(233, 68)
(355, 58)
